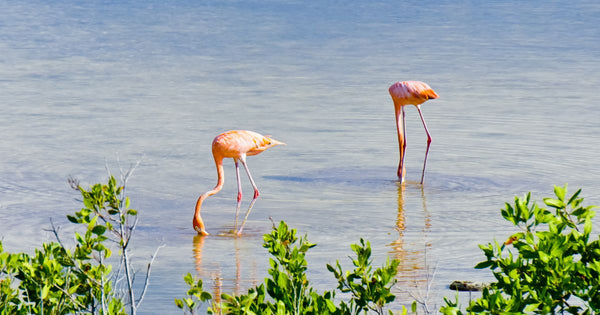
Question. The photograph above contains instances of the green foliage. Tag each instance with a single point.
(288, 290)
(370, 290)
(552, 265)
(56, 280)
(556, 267)
(195, 296)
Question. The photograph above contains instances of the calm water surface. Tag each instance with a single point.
(85, 83)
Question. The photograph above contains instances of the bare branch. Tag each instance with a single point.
(420, 297)
(147, 281)
(73, 182)
(107, 167)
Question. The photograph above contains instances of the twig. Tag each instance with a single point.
(147, 281)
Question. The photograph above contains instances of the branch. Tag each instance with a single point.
(147, 281)
(73, 182)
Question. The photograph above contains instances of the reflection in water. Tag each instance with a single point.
(413, 272)
(197, 249)
(214, 272)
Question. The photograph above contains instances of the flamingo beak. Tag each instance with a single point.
(430, 94)
(276, 142)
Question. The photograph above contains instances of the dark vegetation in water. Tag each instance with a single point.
(551, 265)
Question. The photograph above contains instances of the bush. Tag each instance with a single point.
(288, 291)
(551, 265)
(555, 266)
(57, 280)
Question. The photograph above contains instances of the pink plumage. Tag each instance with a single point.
(410, 93)
(235, 144)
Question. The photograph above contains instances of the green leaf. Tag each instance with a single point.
(179, 303)
(99, 247)
(189, 302)
(554, 203)
(574, 197)
(73, 289)
(99, 229)
(45, 291)
(330, 268)
(587, 227)
(531, 308)
(484, 264)
(560, 192)
(188, 279)
(543, 256)
(205, 296)
(92, 222)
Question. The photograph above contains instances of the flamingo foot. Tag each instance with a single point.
(400, 174)
(201, 231)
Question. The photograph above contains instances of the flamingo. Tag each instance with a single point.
(236, 144)
(410, 93)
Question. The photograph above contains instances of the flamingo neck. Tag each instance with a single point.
(401, 140)
(197, 222)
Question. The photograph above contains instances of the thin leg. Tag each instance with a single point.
(401, 128)
(239, 195)
(256, 194)
(404, 142)
(428, 142)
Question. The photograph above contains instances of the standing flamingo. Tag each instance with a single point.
(236, 144)
(410, 93)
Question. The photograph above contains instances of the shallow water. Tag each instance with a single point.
(85, 83)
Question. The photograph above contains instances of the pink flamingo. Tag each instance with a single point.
(236, 144)
(410, 93)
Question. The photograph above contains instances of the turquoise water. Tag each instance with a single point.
(85, 83)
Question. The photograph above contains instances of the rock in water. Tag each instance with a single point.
(467, 286)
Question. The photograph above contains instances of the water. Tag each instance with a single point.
(88, 84)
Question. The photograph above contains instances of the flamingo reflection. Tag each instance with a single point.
(215, 274)
(212, 269)
(413, 271)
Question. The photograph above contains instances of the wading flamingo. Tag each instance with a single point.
(235, 144)
(410, 93)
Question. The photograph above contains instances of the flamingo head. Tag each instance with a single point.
(262, 144)
(199, 226)
(270, 142)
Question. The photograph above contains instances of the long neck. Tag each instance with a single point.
(198, 223)
(401, 141)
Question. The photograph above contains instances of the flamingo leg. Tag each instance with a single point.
(239, 195)
(256, 193)
(428, 142)
(403, 142)
(401, 126)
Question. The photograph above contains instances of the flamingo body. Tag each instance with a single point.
(235, 144)
(410, 93)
